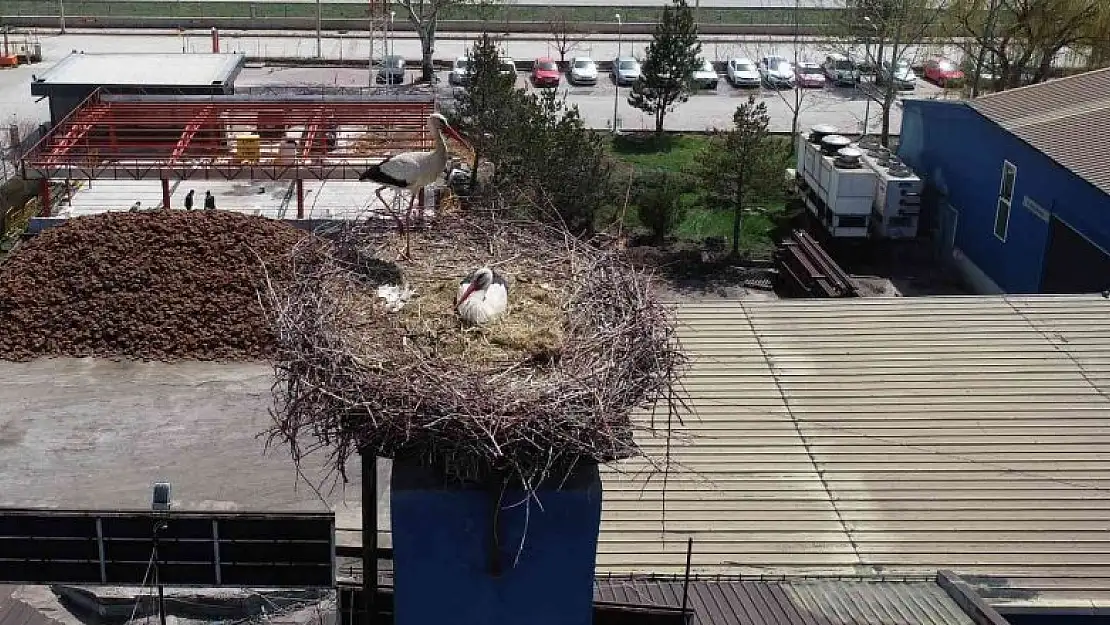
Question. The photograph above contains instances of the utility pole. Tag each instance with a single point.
(617, 74)
(62, 15)
(160, 504)
(159, 525)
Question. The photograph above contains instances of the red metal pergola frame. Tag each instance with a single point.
(195, 137)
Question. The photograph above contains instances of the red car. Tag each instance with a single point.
(942, 72)
(545, 73)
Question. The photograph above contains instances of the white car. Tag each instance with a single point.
(583, 71)
(705, 77)
(742, 73)
(460, 71)
(777, 72)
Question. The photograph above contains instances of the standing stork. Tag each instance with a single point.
(412, 171)
(483, 296)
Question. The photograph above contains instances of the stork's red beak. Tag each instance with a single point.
(469, 290)
(454, 134)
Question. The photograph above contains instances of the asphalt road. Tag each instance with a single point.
(843, 108)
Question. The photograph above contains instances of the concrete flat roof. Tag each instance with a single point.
(145, 69)
(276, 199)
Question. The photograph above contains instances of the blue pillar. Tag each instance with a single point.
(443, 551)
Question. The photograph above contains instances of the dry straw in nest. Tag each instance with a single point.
(550, 385)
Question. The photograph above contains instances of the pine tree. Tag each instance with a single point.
(742, 164)
(672, 57)
(481, 108)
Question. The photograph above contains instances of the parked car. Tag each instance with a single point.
(943, 72)
(841, 70)
(902, 76)
(626, 71)
(392, 70)
(777, 72)
(508, 67)
(742, 72)
(810, 74)
(460, 71)
(705, 77)
(545, 73)
(583, 71)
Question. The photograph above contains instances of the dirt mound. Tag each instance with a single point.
(166, 285)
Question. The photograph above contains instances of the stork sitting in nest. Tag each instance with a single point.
(483, 296)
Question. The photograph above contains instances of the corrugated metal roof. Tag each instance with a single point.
(16, 612)
(796, 602)
(1068, 119)
(898, 436)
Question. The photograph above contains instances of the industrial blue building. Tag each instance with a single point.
(1018, 183)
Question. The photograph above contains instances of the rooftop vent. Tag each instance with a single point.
(899, 170)
(848, 158)
(877, 151)
(820, 131)
(832, 143)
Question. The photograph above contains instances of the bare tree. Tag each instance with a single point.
(424, 16)
(1017, 41)
(891, 33)
(565, 34)
(796, 100)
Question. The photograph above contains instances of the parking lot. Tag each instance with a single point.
(842, 107)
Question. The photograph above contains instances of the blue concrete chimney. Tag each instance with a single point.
(456, 561)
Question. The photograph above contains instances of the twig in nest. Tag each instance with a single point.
(534, 418)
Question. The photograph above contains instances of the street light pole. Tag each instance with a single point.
(62, 15)
(389, 33)
(617, 74)
(319, 44)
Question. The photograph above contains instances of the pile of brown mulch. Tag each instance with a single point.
(165, 285)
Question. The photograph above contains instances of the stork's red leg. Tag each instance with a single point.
(408, 223)
(390, 208)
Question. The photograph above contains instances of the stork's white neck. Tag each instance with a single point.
(437, 135)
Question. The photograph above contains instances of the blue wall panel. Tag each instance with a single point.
(441, 551)
(960, 152)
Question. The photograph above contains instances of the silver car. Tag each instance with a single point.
(902, 76)
(460, 71)
(626, 71)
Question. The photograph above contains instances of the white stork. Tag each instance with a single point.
(412, 171)
(483, 296)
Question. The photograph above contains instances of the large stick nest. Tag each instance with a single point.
(551, 384)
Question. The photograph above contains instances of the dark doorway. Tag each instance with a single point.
(1072, 263)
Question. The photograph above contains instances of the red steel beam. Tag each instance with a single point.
(207, 113)
(76, 131)
(310, 134)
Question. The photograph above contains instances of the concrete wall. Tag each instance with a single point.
(961, 153)
(442, 553)
(309, 24)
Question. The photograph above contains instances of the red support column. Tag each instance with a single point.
(300, 198)
(44, 197)
(215, 40)
(166, 193)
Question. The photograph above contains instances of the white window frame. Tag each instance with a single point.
(1005, 199)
